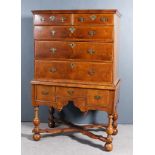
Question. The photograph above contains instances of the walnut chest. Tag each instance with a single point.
(75, 59)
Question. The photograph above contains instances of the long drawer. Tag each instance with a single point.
(80, 71)
(104, 33)
(73, 50)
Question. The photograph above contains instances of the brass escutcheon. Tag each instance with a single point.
(72, 65)
(97, 97)
(72, 45)
(91, 51)
(42, 19)
(72, 29)
(63, 19)
(53, 50)
(91, 72)
(92, 33)
(52, 18)
(93, 17)
(81, 19)
(53, 32)
(70, 92)
(104, 19)
(52, 69)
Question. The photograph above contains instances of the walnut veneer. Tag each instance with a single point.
(75, 59)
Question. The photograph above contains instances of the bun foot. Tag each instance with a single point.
(115, 132)
(36, 136)
(108, 147)
(51, 124)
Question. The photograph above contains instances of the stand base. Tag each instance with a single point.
(79, 128)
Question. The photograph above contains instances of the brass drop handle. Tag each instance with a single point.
(91, 72)
(92, 33)
(52, 18)
(63, 19)
(91, 51)
(72, 65)
(52, 69)
(104, 19)
(70, 92)
(72, 45)
(42, 19)
(72, 29)
(53, 50)
(45, 92)
(81, 19)
(93, 17)
(53, 32)
(97, 97)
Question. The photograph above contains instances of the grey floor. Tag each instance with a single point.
(74, 144)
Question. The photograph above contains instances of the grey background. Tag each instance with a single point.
(125, 106)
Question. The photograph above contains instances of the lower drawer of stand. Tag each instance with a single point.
(44, 93)
(84, 99)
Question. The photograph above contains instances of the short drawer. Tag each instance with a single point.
(52, 19)
(104, 33)
(77, 71)
(44, 93)
(94, 19)
(73, 50)
(53, 49)
(97, 98)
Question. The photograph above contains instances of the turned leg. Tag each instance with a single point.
(36, 122)
(51, 122)
(115, 118)
(108, 145)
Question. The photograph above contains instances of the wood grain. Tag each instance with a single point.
(81, 51)
(81, 33)
(71, 70)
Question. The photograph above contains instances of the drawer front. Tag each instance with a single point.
(85, 19)
(52, 19)
(98, 98)
(104, 33)
(80, 71)
(70, 92)
(46, 70)
(53, 49)
(44, 93)
(93, 51)
(73, 50)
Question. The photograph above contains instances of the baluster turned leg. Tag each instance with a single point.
(51, 122)
(108, 146)
(36, 122)
(115, 118)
